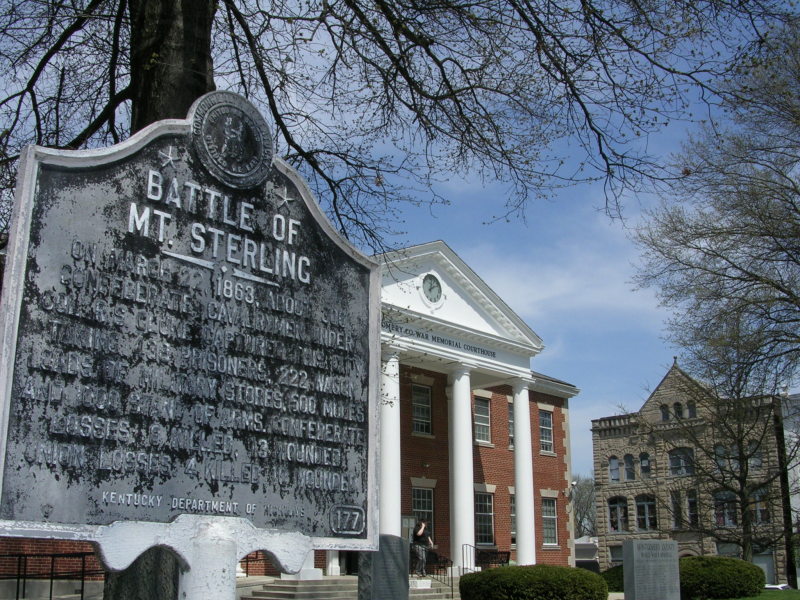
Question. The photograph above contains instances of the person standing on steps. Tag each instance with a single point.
(422, 541)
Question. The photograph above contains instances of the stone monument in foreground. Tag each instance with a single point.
(651, 570)
(190, 353)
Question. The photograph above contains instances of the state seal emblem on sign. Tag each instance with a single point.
(232, 139)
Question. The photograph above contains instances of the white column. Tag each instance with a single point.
(308, 572)
(462, 497)
(332, 568)
(523, 475)
(390, 494)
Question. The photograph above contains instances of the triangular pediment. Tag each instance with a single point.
(677, 386)
(464, 301)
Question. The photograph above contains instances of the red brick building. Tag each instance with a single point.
(471, 438)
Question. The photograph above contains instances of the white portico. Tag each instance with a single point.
(440, 316)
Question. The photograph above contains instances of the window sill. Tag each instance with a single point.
(427, 436)
(551, 547)
(484, 444)
(547, 453)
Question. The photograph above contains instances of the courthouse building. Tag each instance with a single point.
(471, 438)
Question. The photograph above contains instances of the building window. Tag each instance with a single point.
(664, 412)
(681, 461)
(646, 513)
(483, 430)
(677, 509)
(720, 457)
(691, 508)
(630, 471)
(729, 549)
(421, 409)
(754, 456)
(691, 409)
(759, 509)
(510, 423)
(616, 554)
(618, 514)
(546, 430)
(549, 521)
(725, 514)
(422, 504)
(726, 459)
(678, 410)
(513, 519)
(484, 518)
(644, 465)
(613, 468)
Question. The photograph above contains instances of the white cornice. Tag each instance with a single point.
(465, 333)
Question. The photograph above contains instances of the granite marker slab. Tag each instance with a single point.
(651, 570)
(185, 333)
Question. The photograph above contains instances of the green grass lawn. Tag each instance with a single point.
(775, 595)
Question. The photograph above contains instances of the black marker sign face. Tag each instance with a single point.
(188, 346)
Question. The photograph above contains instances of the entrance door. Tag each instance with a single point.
(767, 563)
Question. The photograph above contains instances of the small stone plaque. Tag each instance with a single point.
(184, 333)
(651, 570)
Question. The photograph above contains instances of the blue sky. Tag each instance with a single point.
(567, 272)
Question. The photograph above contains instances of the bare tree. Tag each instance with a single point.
(727, 459)
(583, 505)
(726, 239)
(376, 101)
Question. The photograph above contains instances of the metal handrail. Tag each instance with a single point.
(447, 578)
(22, 575)
(468, 552)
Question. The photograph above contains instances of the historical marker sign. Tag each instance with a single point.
(184, 333)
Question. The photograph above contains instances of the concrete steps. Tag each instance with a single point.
(338, 588)
(330, 588)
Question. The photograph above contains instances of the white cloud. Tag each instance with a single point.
(583, 274)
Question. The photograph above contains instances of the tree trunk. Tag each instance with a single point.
(170, 57)
(170, 68)
(152, 576)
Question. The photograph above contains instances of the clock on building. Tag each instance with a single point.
(432, 288)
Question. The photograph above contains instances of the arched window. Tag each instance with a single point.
(613, 468)
(725, 513)
(677, 408)
(691, 409)
(630, 472)
(618, 514)
(664, 412)
(644, 465)
(681, 461)
(646, 513)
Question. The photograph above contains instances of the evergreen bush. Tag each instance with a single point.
(533, 582)
(706, 577)
(615, 579)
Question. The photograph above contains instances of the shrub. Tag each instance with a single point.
(704, 577)
(615, 579)
(533, 582)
